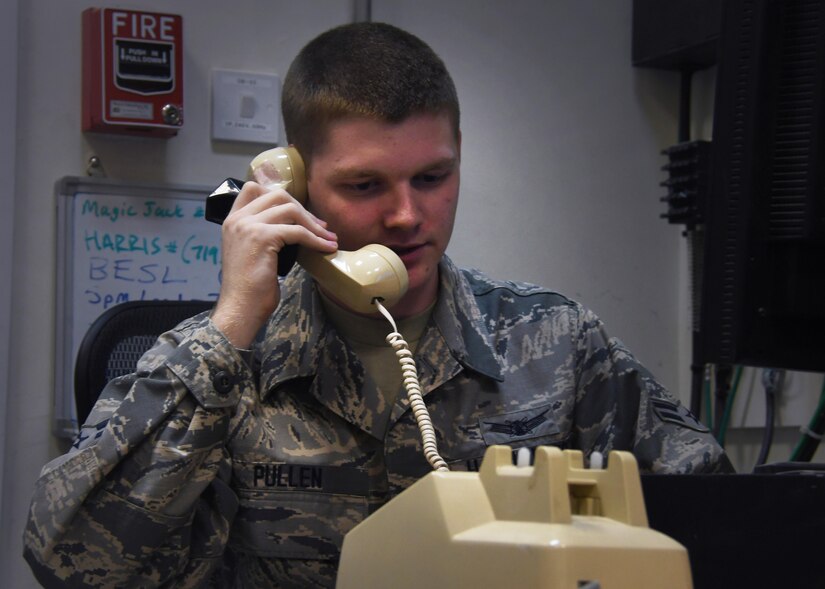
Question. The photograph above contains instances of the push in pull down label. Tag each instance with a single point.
(144, 67)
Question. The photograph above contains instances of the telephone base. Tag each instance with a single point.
(554, 525)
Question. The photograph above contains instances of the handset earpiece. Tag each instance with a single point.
(281, 167)
(355, 278)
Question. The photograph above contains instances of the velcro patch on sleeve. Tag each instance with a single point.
(519, 425)
(677, 414)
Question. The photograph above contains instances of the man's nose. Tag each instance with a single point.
(403, 210)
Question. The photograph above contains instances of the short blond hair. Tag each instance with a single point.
(374, 70)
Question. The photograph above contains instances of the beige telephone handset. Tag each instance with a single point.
(355, 278)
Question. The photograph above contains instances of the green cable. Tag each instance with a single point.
(807, 444)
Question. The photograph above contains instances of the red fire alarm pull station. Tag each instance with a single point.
(132, 72)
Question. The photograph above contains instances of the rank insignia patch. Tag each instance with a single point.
(675, 413)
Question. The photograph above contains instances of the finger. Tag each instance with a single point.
(279, 225)
(277, 195)
(254, 198)
(249, 192)
(300, 235)
(278, 236)
(293, 213)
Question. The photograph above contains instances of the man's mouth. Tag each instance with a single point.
(404, 249)
(407, 252)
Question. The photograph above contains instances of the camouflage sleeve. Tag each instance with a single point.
(143, 497)
(621, 406)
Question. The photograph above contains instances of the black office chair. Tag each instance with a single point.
(118, 338)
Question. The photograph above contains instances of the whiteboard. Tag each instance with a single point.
(124, 242)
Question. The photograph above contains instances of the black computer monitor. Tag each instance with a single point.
(763, 292)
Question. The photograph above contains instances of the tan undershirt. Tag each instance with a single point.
(367, 337)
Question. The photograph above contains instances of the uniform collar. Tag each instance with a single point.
(461, 324)
(299, 339)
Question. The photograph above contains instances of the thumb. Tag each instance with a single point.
(266, 174)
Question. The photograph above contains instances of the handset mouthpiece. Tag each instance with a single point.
(357, 278)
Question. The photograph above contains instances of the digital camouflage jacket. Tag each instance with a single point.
(211, 467)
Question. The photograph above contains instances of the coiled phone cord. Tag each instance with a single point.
(410, 377)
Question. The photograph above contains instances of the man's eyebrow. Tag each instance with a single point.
(446, 162)
(356, 172)
(351, 173)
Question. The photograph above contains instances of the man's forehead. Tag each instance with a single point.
(358, 145)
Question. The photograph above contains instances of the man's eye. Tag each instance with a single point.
(362, 187)
(429, 180)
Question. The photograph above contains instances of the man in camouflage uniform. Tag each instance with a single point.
(251, 439)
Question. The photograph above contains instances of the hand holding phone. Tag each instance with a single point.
(354, 278)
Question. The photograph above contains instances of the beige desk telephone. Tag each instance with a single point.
(356, 278)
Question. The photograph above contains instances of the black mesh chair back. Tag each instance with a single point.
(116, 341)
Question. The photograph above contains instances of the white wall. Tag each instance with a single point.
(561, 167)
(561, 159)
(8, 144)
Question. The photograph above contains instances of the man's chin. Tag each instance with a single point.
(422, 292)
